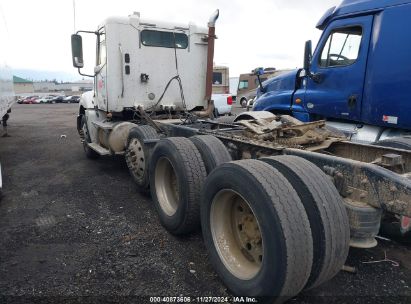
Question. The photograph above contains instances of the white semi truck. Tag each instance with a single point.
(279, 202)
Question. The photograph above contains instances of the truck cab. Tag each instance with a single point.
(138, 60)
(358, 76)
(143, 67)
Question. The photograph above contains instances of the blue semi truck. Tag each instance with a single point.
(357, 79)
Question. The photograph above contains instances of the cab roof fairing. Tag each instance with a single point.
(355, 7)
(135, 21)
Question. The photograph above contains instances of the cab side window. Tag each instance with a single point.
(342, 47)
(102, 53)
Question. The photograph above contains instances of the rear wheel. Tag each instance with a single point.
(177, 173)
(212, 150)
(326, 213)
(256, 230)
(138, 155)
(243, 102)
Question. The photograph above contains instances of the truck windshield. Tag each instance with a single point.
(342, 47)
(164, 39)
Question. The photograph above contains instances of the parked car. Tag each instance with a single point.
(71, 99)
(45, 99)
(222, 104)
(20, 99)
(76, 99)
(57, 99)
(30, 100)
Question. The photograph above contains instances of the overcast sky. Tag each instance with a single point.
(268, 33)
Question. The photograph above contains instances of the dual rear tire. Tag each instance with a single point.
(272, 227)
(178, 169)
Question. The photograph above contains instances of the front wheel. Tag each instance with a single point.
(85, 137)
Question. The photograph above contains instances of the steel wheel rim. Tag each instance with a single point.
(137, 158)
(167, 189)
(85, 135)
(236, 234)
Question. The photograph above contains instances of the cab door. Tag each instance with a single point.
(339, 66)
(101, 73)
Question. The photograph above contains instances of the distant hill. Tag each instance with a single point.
(36, 75)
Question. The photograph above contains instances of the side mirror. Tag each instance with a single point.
(258, 71)
(77, 51)
(308, 54)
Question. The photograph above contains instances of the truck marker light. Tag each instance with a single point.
(298, 101)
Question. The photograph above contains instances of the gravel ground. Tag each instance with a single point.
(73, 229)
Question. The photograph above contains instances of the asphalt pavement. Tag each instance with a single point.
(75, 229)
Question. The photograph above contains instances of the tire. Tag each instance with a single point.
(212, 150)
(138, 155)
(326, 213)
(177, 173)
(243, 102)
(215, 113)
(251, 196)
(90, 153)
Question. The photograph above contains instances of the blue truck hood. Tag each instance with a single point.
(281, 82)
(277, 92)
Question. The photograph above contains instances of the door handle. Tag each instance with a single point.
(352, 101)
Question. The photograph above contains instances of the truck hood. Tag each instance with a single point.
(277, 92)
(283, 82)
